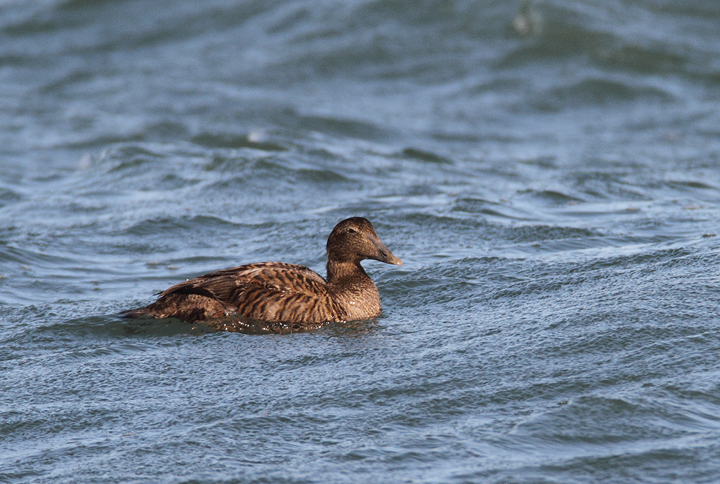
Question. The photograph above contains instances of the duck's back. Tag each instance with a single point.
(268, 291)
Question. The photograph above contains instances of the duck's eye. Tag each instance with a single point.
(352, 231)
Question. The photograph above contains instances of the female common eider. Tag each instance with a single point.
(277, 292)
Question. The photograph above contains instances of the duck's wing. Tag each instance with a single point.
(269, 291)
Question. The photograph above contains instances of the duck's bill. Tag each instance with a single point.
(384, 254)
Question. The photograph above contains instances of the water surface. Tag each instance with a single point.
(547, 172)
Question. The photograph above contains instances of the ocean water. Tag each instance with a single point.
(548, 171)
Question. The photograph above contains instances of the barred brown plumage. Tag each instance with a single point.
(281, 292)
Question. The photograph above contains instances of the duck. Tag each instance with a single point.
(279, 292)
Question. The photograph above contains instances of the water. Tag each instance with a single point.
(547, 171)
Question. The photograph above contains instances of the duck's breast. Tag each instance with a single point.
(359, 299)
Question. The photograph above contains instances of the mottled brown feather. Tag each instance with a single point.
(281, 292)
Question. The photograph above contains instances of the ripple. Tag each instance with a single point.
(579, 422)
(547, 197)
(168, 225)
(691, 185)
(490, 208)
(427, 156)
(599, 92)
(223, 140)
(9, 196)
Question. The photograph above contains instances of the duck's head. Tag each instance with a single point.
(354, 239)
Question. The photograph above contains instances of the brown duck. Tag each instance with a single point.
(285, 293)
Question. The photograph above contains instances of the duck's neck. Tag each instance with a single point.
(339, 271)
(353, 290)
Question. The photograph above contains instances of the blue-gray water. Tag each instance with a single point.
(548, 172)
